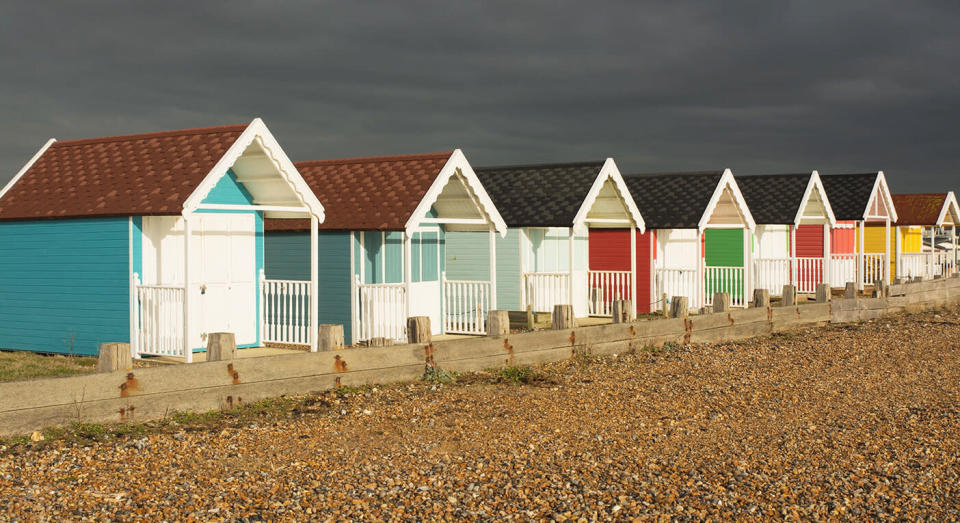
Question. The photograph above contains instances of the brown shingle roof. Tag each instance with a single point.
(918, 209)
(133, 175)
(371, 194)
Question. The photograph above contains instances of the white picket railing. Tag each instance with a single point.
(807, 273)
(465, 306)
(381, 311)
(771, 274)
(159, 313)
(843, 269)
(678, 282)
(725, 279)
(603, 287)
(285, 311)
(913, 265)
(873, 267)
(546, 289)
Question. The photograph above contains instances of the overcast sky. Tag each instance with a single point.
(754, 86)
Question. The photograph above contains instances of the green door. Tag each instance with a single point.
(723, 248)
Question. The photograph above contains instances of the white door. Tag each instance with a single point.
(225, 284)
(425, 301)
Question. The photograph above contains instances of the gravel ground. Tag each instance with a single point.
(857, 421)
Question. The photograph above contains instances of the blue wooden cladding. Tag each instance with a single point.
(64, 284)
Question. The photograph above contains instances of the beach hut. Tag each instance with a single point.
(569, 239)
(698, 229)
(791, 244)
(383, 246)
(860, 243)
(921, 218)
(152, 239)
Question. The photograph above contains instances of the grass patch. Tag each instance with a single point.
(23, 365)
(517, 375)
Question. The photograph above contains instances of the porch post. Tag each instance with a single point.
(408, 272)
(827, 269)
(634, 295)
(314, 286)
(523, 267)
(700, 272)
(187, 349)
(570, 290)
(858, 244)
(886, 246)
(793, 255)
(134, 317)
(493, 268)
(747, 287)
(953, 239)
(897, 255)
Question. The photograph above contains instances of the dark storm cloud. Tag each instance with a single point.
(755, 86)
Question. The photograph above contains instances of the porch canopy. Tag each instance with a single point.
(787, 199)
(161, 174)
(928, 211)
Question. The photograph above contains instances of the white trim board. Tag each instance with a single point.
(610, 171)
(815, 184)
(27, 166)
(949, 205)
(457, 164)
(880, 187)
(727, 180)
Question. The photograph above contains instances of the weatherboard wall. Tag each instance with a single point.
(64, 284)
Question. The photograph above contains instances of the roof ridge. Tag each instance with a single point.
(677, 173)
(138, 136)
(538, 165)
(770, 175)
(371, 159)
(943, 194)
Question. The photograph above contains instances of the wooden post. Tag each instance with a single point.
(789, 295)
(571, 284)
(498, 323)
(418, 329)
(187, 291)
(886, 246)
(721, 302)
(827, 272)
(761, 298)
(531, 318)
(379, 342)
(114, 356)
(623, 311)
(221, 346)
(850, 291)
(858, 230)
(679, 307)
(898, 264)
(563, 317)
(330, 336)
(823, 292)
(880, 288)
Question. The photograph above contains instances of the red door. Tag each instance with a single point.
(609, 251)
(809, 245)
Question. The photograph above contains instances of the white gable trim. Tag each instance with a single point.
(457, 163)
(257, 131)
(880, 187)
(27, 167)
(608, 171)
(727, 180)
(949, 206)
(815, 184)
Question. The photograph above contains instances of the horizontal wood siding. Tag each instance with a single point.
(468, 255)
(843, 240)
(810, 241)
(508, 271)
(287, 257)
(64, 284)
(609, 249)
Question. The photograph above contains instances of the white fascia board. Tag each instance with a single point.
(457, 163)
(727, 180)
(949, 206)
(815, 184)
(27, 166)
(880, 188)
(257, 131)
(611, 171)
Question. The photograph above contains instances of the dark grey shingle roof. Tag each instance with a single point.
(848, 193)
(773, 198)
(673, 200)
(544, 195)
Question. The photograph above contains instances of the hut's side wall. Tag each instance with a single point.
(64, 284)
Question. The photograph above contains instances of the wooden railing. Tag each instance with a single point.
(874, 265)
(285, 311)
(843, 269)
(159, 315)
(465, 306)
(807, 273)
(725, 279)
(546, 289)
(381, 311)
(771, 274)
(678, 282)
(603, 287)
